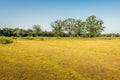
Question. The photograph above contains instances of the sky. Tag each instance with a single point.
(26, 13)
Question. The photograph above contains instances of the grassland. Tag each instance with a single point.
(60, 59)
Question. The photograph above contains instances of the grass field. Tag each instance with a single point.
(60, 59)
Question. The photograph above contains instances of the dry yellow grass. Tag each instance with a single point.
(60, 59)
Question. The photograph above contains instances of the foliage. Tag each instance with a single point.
(79, 28)
(42, 39)
(57, 27)
(111, 35)
(21, 33)
(5, 40)
(37, 30)
(47, 34)
(28, 38)
(69, 27)
(94, 27)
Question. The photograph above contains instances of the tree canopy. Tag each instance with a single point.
(70, 27)
(94, 26)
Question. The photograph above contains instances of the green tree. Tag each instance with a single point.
(7, 32)
(47, 33)
(21, 33)
(94, 26)
(79, 28)
(57, 27)
(37, 30)
(30, 32)
(1, 32)
(69, 25)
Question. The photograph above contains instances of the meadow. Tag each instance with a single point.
(60, 59)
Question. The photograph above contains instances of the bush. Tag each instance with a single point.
(108, 38)
(58, 38)
(5, 40)
(42, 39)
(14, 37)
(28, 38)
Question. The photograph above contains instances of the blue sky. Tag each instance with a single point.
(25, 13)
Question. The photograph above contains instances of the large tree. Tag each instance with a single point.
(7, 32)
(79, 28)
(69, 25)
(1, 32)
(21, 33)
(94, 26)
(37, 30)
(30, 32)
(57, 27)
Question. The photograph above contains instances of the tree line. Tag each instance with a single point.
(70, 27)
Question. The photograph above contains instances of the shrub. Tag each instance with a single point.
(5, 40)
(42, 39)
(28, 38)
(58, 38)
(14, 37)
(108, 38)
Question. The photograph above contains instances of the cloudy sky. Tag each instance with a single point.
(25, 13)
